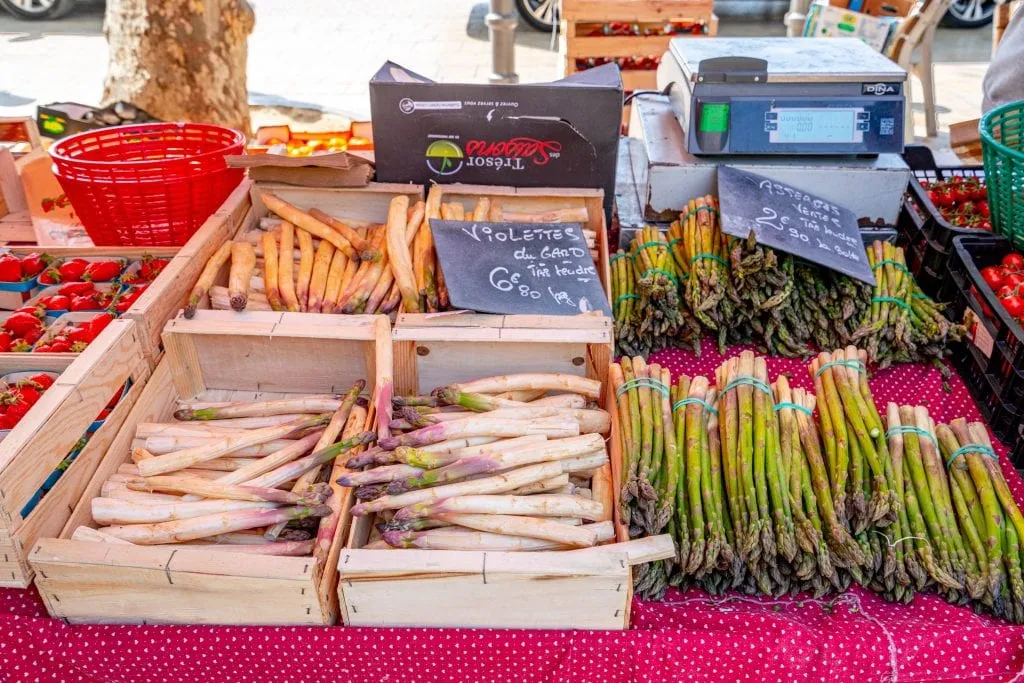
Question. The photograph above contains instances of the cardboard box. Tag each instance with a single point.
(827, 21)
(560, 134)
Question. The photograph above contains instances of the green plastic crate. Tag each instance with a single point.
(1002, 143)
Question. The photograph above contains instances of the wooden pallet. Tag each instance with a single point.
(572, 589)
(268, 355)
(34, 448)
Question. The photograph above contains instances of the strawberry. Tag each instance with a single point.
(42, 347)
(57, 302)
(10, 268)
(8, 422)
(20, 322)
(37, 311)
(58, 345)
(73, 288)
(33, 264)
(97, 323)
(16, 407)
(44, 381)
(5, 341)
(29, 394)
(78, 334)
(151, 267)
(50, 276)
(72, 270)
(85, 302)
(78, 347)
(102, 271)
(32, 336)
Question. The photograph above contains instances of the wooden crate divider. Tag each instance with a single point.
(268, 355)
(572, 589)
(34, 448)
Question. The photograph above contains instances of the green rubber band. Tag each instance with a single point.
(852, 364)
(909, 429)
(667, 274)
(646, 382)
(694, 401)
(971, 448)
(890, 262)
(709, 257)
(694, 212)
(616, 257)
(891, 300)
(624, 297)
(675, 241)
(795, 406)
(648, 245)
(746, 380)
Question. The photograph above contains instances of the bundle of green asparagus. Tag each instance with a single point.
(240, 476)
(745, 293)
(764, 498)
(514, 462)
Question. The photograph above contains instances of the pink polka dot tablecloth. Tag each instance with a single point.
(688, 637)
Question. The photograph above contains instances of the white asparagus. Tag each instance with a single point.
(556, 484)
(197, 404)
(217, 490)
(284, 455)
(422, 458)
(480, 425)
(249, 423)
(591, 388)
(182, 459)
(145, 430)
(286, 406)
(594, 421)
(380, 475)
(120, 491)
(114, 511)
(455, 444)
(499, 483)
(210, 525)
(161, 445)
(560, 401)
(220, 300)
(84, 533)
(533, 506)
(456, 538)
(529, 527)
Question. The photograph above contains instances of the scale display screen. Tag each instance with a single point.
(815, 125)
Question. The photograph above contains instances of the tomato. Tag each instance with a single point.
(1013, 261)
(1014, 281)
(992, 276)
(1014, 305)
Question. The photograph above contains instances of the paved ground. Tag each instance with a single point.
(322, 53)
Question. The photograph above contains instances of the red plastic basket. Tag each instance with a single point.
(147, 185)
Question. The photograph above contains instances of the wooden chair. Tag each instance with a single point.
(916, 33)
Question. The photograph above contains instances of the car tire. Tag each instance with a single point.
(59, 9)
(963, 13)
(533, 13)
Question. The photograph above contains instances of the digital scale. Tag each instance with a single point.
(756, 96)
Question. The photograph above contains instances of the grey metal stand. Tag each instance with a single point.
(501, 24)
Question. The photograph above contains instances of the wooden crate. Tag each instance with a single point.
(572, 589)
(50, 430)
(635, 11)
(354, 205)
(267, 356)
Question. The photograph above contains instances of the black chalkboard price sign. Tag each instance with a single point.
(791, 220)
(526, 268)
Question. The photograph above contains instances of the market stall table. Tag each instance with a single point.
(690, 636)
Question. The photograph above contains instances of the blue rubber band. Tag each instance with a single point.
(971, 448)
(646, 382)
(746, 381)
(890, 299)
(795, 406)
(909, 429)
(852, 364)
(694, 401)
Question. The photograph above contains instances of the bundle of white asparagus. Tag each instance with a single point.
(313, 262)
(504, 463)
(247, 477)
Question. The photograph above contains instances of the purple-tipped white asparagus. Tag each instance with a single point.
(481, 425)
(210, 525)
(163, 464)
(428, 460)
(456, 538)
(557, 449)
(276, 459)
(314, 495)
(296, 468)
(499, 483)
(113, 511)
(556, 484)
(379, 475)
(529, 527)
(591, 388)
(535, 506)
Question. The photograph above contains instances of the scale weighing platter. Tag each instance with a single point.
(768, 96)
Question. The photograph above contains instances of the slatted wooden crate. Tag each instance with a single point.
(570, 589)
(269, 355)
(51, 429)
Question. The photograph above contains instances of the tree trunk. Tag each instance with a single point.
(180, 60)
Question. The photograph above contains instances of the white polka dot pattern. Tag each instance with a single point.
(688, 637)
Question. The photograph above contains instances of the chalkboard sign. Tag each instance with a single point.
(532, 268)
(793, 221)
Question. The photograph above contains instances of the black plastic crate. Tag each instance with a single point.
(1005, 419)
(920, 209)
(1017, 455)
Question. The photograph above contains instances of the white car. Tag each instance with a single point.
(38, 9)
